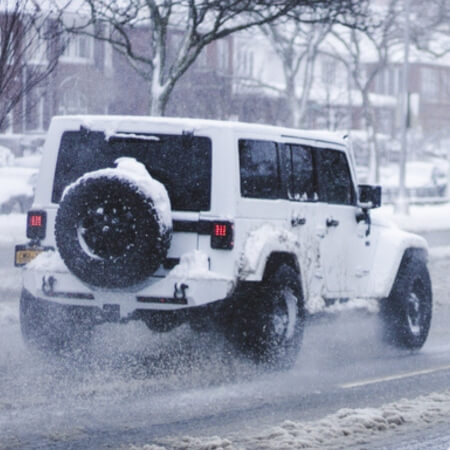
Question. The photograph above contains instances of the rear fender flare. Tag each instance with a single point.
(265, 246)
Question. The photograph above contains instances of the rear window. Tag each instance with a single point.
(181, 162)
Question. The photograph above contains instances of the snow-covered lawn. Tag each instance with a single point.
(420, 217)
(12, 229)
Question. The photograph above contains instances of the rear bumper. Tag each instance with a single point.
(160, 294)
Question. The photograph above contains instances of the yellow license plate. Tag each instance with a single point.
(25, 255)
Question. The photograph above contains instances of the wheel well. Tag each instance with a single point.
(275, 260)
(412, 254)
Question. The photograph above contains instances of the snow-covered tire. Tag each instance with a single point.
(109, 232)
(54, 328)
(406, 313)
(268, 320)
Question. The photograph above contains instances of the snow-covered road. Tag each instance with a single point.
(189, 390)
(139, 388)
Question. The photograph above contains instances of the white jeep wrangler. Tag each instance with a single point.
(246, 227)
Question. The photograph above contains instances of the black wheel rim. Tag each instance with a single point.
(415, 309)
(284, 317)
(107, 231)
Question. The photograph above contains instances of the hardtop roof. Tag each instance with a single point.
(114, 124)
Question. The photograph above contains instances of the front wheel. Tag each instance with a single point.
(406, 313)
(268, 319)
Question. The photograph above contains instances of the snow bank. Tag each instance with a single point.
(9, 313)
(420, 217)
(16, 181)
(130, 170)
(11, 280)
(344, 428)
(12, 229)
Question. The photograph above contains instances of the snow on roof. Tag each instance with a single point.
(116, 124)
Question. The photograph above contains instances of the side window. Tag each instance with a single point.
(335, 183)
(301, 173)
(259, 169)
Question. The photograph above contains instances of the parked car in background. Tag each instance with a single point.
(6, 156)
(17, 180)
(424, 179)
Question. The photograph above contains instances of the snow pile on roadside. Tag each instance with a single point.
(420, 217)
(9, 313)
(11, 279)
(344, 428)
(439, 253)
(12, 228)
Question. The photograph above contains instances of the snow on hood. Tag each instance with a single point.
(132, 171)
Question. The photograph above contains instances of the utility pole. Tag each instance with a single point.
(402, 205)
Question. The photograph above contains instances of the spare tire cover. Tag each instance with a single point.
(109, 232)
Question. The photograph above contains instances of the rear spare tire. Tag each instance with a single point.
(113, 226)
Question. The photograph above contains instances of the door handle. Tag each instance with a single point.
(332, 222)
(297, 221)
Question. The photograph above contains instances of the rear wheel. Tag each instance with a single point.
(54, 328)
(406, 313)
(268, 320)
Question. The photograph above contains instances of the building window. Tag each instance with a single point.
(73, 102)
(36, 49)
(34, 109)
(78, 48)
(245, 61)
(223, 54)
(108, 58)
(429, 83)
(328, 71)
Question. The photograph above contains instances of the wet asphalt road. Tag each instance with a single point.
(137, 387)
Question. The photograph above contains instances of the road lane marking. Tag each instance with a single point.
(393, 377)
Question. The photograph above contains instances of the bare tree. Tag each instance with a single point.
(352, 48)
(296, 44)
(29, 51)
(197, 23)
(431, 27)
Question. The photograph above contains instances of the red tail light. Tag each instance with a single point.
(36, 222)
(222, 235)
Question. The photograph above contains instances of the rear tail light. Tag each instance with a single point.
(36, 223)
(222, 235)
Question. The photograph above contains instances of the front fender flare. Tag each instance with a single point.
(392, 245)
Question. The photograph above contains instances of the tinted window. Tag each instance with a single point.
(181, 163)
(335, 184)
(259, 168)
(301, 178)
